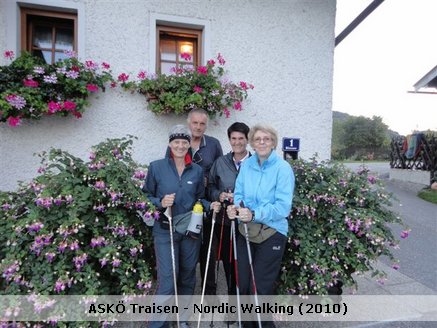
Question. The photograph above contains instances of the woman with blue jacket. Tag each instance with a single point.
(263, 195)
(176, 182)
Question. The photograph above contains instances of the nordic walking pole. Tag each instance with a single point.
(229, 269)
(173, 262)
(252, 272)
(207, 263)
(237, 284)
(219, 253)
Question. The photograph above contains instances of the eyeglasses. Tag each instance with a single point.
(263, 140)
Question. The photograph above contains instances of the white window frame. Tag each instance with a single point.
(183, 22)
(13, 26)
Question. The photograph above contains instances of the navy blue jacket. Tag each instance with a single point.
(163, 178)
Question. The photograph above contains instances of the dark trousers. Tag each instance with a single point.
(186, 251)
(210, 288)
(266, 262)
(226, 255)
(220, 251)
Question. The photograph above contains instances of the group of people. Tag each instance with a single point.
(251, 191)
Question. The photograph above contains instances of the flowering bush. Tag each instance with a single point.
(339, 225)
(30, 88)
(77, 228)
(188, 88)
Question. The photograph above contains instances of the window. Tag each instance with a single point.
(47, 34)
(173, 42)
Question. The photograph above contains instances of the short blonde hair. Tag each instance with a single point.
(266, 129)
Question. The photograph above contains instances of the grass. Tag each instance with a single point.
(429, 195)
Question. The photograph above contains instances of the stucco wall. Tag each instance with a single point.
(284, 48)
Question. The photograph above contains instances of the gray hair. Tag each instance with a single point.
(266, 129)
(198, 111)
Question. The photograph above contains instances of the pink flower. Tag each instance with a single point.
(100, 185)
(113, 85)
(54, 107)
(69, 105)
(237, 106)
(14, 121)
(197, 89)
(30, 83)
(202, 70)
(371, 179)
(220, 59)
(142, 75)
(139, 175)
(227, 112)
(106, 65)
(92, 87)
(9, 54)
(123, 77)
(243, 85)
(395, 266)
(116, 263)
(89, 64)
(405, 234)
(186, 56)
(211, 62)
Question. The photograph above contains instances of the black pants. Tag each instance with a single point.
(224, 250)
(266, 261)
(210, 288)
(221, 251)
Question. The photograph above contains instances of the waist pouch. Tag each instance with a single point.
(257, 232)
(180, 222)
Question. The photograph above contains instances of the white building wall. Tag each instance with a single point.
(284, 48)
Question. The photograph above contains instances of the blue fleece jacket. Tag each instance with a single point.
(267, 190)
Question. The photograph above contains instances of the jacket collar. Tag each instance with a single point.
(273, 158)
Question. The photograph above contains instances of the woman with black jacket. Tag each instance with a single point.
(221, 183)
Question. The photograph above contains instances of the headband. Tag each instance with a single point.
(179, 136)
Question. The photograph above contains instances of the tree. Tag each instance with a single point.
(360, 138)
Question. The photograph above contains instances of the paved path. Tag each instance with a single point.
(417, 274)
(418, 255)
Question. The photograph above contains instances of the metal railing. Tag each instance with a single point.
(420, 156)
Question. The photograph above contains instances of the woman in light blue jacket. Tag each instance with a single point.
(263, 195)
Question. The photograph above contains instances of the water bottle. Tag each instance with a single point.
(195, 227)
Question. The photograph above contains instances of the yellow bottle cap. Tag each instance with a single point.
(198, 208)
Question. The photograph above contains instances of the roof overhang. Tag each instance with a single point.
(428, 83)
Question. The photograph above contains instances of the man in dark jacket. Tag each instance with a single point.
(205, 150)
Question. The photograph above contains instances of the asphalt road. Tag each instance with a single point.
(418, 252)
